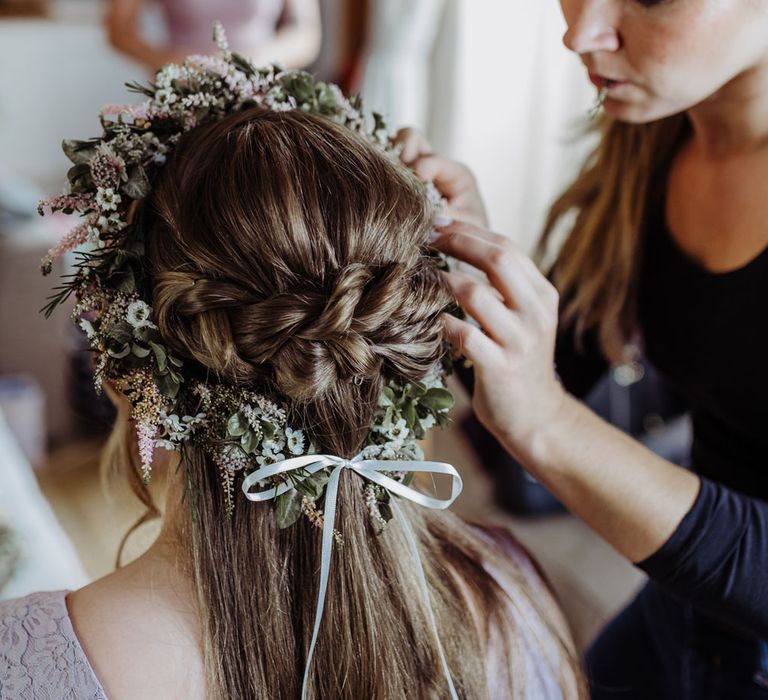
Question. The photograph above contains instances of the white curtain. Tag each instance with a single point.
(520, 100)
(396, 77)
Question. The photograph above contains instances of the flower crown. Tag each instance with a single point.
(241, 429)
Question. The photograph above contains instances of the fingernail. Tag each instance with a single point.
(442, 220)
(434, 236)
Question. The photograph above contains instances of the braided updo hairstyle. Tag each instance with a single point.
(288, 252)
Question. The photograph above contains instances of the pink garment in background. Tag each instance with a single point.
(248, 23)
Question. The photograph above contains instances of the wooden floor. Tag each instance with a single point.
(590, 578)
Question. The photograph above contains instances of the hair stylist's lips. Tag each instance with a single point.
(601, 81)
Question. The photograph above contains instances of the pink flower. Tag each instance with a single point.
(77, 236)
(77, 202)
(146, 434)
(130, 111)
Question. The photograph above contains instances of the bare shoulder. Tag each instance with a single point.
(140, 634)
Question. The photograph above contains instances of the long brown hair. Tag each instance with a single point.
(289, 254)
(596, 268)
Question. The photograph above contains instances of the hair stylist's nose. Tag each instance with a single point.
(591, 26)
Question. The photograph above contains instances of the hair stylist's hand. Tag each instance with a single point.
(516, 390)
(453, 180)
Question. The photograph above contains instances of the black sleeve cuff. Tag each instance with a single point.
(716, 559)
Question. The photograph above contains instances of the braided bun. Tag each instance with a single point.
(275, 265)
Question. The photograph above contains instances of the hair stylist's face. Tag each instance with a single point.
(661, 57)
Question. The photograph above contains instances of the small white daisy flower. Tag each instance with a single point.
(295, 440)
(276, 444)
(107, 199)
(399, 431)
(138, 314)
(165, 97)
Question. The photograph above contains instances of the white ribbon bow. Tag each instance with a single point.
(370, 469)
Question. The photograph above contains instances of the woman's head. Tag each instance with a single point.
(289, 254)
(666, 56)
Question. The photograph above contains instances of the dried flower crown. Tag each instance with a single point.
(240, 428)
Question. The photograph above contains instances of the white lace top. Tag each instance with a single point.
(40, 656)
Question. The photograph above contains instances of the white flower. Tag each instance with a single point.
(434, 379)
(107, 198)
(399, 432)
(276, 444)
(166, 445)
(232, 458)
(295, 439)
(87, 328)
(110, 224)
(173, 424)
(138, 314)
(193, 422)
(268, 456)
(165, 97)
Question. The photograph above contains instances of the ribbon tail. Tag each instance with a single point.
(424, 592)
(329, 516)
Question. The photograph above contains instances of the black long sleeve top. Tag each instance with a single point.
(707, 333)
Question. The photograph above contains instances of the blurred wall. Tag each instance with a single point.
(55, 75)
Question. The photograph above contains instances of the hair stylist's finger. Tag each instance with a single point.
(505, 265)
(483, 304)
(449, 176)
(414, 144)
(469, 341)
(483, 249)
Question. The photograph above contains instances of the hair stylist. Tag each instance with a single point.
(670, 244)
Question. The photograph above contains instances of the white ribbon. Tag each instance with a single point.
(370, 469)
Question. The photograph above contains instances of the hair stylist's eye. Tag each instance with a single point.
(652, 3)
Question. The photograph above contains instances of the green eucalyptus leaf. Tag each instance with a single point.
(304, 487)
(167, 386)
(409, 413)
(438, 400)
(288, 508)
(120, 353)
(386, 511)
(314, 485)
(175, 361)
(249, 442)
(79, 173)
(267, 429)
(121, 332)
(139, 351)
(237, 425)
(161, 357)
(300, 85)
(125, 280)
(78, 151)
(387, 397)
(415, 390)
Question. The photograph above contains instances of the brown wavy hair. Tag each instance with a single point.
(596, 268)
(288, 254)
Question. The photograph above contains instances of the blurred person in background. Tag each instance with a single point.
(668, 250)
(264, 31)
